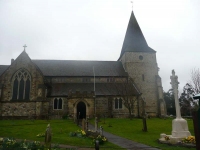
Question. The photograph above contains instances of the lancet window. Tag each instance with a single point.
(118, 103)
(21, 85)
(57, 103)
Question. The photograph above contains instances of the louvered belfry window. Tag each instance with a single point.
(21, 85)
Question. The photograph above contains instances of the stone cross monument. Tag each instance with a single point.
(179, 125)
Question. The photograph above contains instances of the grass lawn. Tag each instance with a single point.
(132, 129)
(26, 129)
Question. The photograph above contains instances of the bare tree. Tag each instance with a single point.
(129, 94)
(195, 77)
(189, 90)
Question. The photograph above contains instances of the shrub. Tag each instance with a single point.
(11, 143)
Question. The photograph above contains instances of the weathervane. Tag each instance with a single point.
(132, 5)
(24, 47)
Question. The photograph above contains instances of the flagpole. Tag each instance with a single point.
(94, 93)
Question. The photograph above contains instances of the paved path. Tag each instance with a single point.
(124, 143)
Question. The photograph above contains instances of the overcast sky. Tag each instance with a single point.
(95, 30)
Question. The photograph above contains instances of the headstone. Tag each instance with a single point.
(87, 121)
(96, 124)
(97, 145)
(78, 118)
(179, 125)
(145, 115)
(48, 136)
(83, 124)
(101, 130)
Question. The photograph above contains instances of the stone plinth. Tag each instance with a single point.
(180, 128)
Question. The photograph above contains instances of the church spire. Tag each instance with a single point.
(134, 40)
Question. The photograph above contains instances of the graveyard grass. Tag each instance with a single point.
(26, 129)
(130, 129)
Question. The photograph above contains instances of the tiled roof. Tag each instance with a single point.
(106, 89)
(80, 68)
(134, 40)
(3, 68)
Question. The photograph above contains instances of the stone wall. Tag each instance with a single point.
(58, 113)
(18, 109)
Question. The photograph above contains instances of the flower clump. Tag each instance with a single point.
(189, 139)
(78, 133)
(11, 143)
(100, 138)
(40, 135)
(89, 134)
(167, 138)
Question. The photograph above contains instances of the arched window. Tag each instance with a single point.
(57, 103)
(21, 85)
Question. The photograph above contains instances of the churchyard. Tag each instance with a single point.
(61, 129)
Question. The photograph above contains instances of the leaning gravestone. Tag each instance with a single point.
(48, 136)
(101, 130)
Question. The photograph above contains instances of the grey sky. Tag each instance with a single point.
(95, 30)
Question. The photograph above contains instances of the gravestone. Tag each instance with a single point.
(87, 121)
(78, 118)
(83, 124)
(96, 124)
(101, 130)
(48, 136)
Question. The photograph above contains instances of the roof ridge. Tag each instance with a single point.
(74, 60)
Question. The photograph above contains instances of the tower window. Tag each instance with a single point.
(57, 103)
(118, 103)
(21, 85)
(141, 57)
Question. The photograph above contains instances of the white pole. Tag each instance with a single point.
(94, 93)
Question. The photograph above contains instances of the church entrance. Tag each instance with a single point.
(81, 110)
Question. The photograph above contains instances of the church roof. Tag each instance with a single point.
(77, 68)
(100, 89)
(80, 68)
(134, 40)
(3, 68)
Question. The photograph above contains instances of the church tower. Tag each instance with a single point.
(139, 61)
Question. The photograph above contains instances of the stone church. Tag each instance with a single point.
(73, 88)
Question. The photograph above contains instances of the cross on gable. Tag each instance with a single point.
(24, 47)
